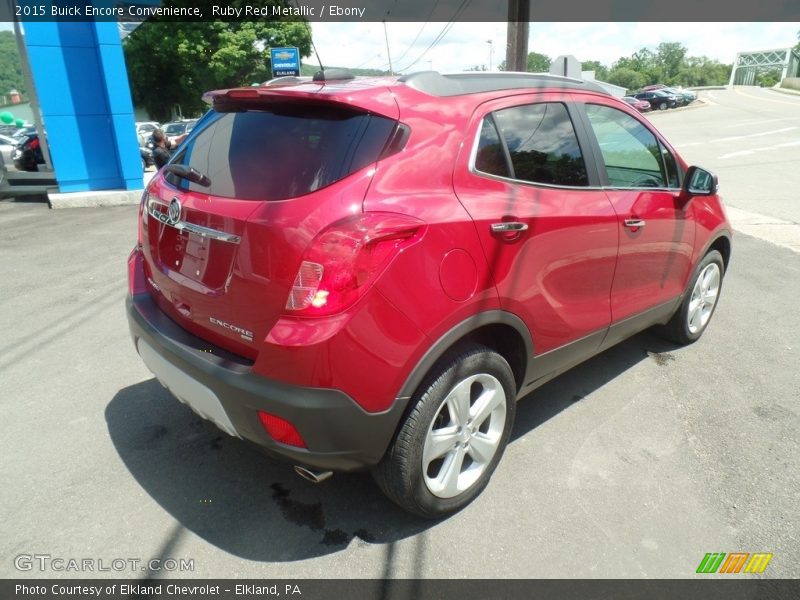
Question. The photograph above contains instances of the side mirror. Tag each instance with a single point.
(699, 182)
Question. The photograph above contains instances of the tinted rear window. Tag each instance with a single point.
(280, 153)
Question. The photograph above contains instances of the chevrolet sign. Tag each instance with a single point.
(285, 62)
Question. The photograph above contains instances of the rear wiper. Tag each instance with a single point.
(189, 173)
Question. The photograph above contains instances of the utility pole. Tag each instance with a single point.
(491, 51)
(519, 12)
(388, 54)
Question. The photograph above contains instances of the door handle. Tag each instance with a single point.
(508, 226)
(634, 223)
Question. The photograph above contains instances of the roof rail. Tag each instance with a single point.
(456, 84)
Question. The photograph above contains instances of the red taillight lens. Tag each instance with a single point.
(281, 430)
(34, 143)
(345, 259)
(243, 93)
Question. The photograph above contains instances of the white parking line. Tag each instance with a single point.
(762, 149)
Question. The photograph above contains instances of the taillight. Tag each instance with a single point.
(281, 430)
(34, 144)
(344, 259)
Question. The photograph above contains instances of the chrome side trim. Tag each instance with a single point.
(181, 225)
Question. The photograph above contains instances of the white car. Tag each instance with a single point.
(7, 147)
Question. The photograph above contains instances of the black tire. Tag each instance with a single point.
(403, 477)
(662, 106)
(679, 329)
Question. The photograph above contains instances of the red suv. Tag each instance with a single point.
(369, 273)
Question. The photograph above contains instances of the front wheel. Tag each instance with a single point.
(694, 314)
(450, 443)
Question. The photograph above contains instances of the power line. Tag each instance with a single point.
(416, 37)
(445, 30)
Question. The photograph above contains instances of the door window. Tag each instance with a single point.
(541, 143)
(631, 153)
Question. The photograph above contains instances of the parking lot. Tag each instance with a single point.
(635, 464)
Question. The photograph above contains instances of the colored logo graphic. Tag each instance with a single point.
(736, 562)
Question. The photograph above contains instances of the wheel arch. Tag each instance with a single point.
(722, 244)
(499, 330)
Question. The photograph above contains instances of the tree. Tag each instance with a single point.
(536, 63)
(600, 70)
(669, 58)
(171, 63)
(477, 68)
(698, 71)
(11, 76)
(627, 78)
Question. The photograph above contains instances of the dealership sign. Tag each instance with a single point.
(285, 62)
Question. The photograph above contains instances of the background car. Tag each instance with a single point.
(146, 154)
(144, 129)
(174, 130)
(658, 99)
(7, 146)
(28, 154)
(684, 96)
(640, 105)
(655, 86)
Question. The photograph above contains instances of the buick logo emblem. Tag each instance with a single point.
(174, 212)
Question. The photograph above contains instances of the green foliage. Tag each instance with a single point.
(537, 63)
(668, 64)
(701, 71)
(768, 78)
(10, 65)
(173, 63)
(627, 78)
(600, 70)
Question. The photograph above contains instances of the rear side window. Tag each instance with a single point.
(491, 157)
(279, 153)
(542, 144)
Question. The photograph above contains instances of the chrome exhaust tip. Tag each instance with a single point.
(312, 476)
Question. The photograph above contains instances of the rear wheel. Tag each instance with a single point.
(450, 443)
(662, 106)
(694, 314)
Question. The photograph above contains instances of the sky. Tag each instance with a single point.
(466, 45)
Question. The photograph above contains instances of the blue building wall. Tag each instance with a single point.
(82, 85)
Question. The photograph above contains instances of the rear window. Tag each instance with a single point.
(283, 152)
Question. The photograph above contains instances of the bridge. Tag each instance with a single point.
(749, 64)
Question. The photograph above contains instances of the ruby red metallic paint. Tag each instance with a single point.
(573, 272)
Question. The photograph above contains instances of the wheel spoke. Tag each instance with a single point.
(490, 399)
(439, 442)
(458, 404)
(694, 311)
(451, 471)
(707, 278)
(482, 448)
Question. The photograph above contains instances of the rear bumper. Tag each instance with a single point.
(339, 434)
